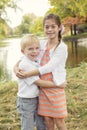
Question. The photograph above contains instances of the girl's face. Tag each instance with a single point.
(32, 51)
(51, 29)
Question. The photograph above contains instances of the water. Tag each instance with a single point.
(77, 52)
(10, 54)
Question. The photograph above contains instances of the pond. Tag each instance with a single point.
(77, 52)
(9, 55)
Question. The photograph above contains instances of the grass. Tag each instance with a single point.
(9, 118)
(3, 44)
(76, 93)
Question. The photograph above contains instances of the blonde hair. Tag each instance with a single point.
(28, 39)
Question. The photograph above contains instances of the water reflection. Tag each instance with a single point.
(4, 73)
(77, 52)
(10, 54)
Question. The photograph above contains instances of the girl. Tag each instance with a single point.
(52, 101)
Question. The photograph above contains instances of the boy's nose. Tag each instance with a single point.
(35, 50)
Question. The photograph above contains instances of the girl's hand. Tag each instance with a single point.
(63, 85)
(18, 72)
(21, 73)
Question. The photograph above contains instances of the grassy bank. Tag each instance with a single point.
(75, 37)
(76, 92)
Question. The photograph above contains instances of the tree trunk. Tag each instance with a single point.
(71, 30)
(74, 27)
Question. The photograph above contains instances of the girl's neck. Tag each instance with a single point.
(52, 43)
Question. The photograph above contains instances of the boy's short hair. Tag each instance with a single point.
(28, 39)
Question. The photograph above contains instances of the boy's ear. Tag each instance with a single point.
(22, 51)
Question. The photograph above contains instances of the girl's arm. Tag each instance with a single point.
(18, 71)
(59, 58)
(48, 84)
(16, 68)
(39, 82)
(30, 73)
(23, 74)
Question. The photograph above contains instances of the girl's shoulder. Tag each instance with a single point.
(62, 47)
(62, 44)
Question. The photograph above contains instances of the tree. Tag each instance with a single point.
(27, 21)
(76, 9)
(4, 4)
(36, 26)
(69, 7)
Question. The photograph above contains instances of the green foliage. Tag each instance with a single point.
(37, 27)
(69, 7)
(3, 30)
(4, 4)
(7, 3)
(25, 25)
(30, 24)
(82, 28)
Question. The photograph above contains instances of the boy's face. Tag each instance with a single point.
(32, 51)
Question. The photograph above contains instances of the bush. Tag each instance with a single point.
(81, 28)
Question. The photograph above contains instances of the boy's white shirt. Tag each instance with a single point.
(57, 62)
(26, 87)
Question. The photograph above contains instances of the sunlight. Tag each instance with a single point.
(38, 7)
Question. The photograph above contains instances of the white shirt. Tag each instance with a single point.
(26, 87)
(57, 62)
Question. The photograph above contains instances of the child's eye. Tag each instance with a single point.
(47, 27)
(51, 26)
(30, 48)
(37, 48)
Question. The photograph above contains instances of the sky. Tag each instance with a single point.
(38, 7)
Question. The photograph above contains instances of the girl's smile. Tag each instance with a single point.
(51, 29)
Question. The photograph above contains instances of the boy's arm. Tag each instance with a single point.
(48, 84)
